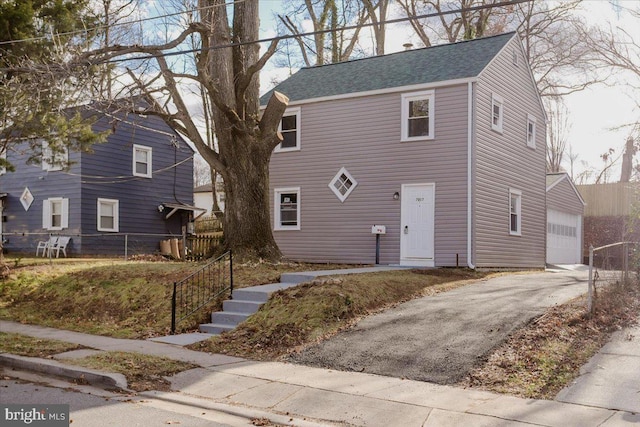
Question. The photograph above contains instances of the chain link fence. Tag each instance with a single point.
(617, 264)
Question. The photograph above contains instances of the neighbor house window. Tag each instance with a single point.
(515, 212)
(286, 208)
(343, 184)
(497, 112)
(141, 161)
(54, 160)
(108, 212)
(531, 131)
(290, 130)
(55, 213)
(417, 116)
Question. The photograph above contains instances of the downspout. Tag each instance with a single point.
(469, 172)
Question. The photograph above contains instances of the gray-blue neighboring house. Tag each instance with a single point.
(135, 190)
(441, 148)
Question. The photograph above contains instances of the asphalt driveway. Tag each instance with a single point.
(440, 338)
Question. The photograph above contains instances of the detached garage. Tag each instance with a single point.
(565, 209)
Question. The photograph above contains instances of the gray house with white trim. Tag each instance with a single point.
(443, 146)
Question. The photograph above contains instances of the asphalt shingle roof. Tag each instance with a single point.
(418, 66)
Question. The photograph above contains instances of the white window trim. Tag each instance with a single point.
(518, 212)
(47, 155)
(291, 112)
(276, 208)
(116, 214)
(333, 188)
(531, 120)
(497, 100)
(408, 97)
(46, 213)
(149, 150)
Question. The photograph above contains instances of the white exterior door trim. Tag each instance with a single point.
(417, 225)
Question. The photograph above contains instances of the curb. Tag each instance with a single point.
(52, 367)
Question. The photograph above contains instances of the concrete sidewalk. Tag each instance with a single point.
(321, 396)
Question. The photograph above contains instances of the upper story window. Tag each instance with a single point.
(290, 130)
(343, 184)
(55, 213)
(417, 115)
(497, 112)
(286, 208)
(54, 160)
(142, 161)
(515, 212)
(108, 215)
(531, 131)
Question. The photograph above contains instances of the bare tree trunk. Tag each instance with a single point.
(627, 160)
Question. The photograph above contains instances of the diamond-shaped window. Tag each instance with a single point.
(26, 199)
(343, 184)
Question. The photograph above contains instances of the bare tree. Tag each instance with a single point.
(557, 133)
(329, 42)
(226, 68)
(468, 23)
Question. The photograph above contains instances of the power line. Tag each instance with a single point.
(311, 33)
(293, 36)
(136, 21)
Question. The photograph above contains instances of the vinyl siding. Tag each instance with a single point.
(503, 162)
(363, 135)
(138, 197)
(42, 185)
(563, 198)
(104, 173)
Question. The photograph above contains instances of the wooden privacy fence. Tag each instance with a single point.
(613, 199)
(208, 224)
(203, 246)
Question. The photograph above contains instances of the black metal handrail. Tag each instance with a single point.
(201, 287)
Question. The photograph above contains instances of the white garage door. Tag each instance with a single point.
(564, 238)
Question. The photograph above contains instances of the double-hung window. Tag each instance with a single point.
(290, 130)
(142, 161)
(515, 212)
(531, 131)
(418, 116)
(497, 112)
(55, 213)
(54, 159)
(286, 208)
(108, 213)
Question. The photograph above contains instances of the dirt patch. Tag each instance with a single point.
(540, 359)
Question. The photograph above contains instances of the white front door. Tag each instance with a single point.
(417, 225)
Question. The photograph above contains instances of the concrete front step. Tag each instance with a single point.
(259, 293)
(214, 329)
(241, 306)
(228, 318)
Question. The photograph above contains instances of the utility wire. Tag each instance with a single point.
(311, 33)
(136, 21)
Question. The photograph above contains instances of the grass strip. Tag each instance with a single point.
(23, 345)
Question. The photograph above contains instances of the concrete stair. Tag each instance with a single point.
(246, 301)
(243, 304)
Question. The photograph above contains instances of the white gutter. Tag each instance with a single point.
(469, 165)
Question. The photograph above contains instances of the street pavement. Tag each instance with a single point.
(606, 394)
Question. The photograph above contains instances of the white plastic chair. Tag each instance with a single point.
(46, 244)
